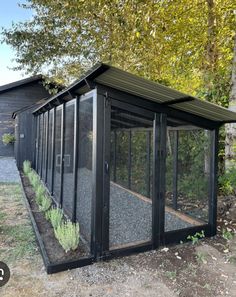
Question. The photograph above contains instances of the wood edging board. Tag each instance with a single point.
(49, 266)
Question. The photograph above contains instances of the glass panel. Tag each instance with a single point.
(68, 163)
(50, 141)
(44, 146)
(37, 143)
(141, 158)
(57, 156)
(84, 182)
(40, 143)
(187, 176)
(131, 155)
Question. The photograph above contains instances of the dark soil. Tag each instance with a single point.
(53, 249)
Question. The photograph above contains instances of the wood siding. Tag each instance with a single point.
(13, 100)
(25, 137)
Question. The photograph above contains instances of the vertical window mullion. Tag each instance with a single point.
(62, 153)
(75, 153)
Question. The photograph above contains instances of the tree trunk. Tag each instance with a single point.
(230, 141)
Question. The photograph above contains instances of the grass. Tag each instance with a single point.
(17, 237)
(21, 240)
(2, 216)
(171, 274)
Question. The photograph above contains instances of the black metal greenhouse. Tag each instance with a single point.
(133, 161)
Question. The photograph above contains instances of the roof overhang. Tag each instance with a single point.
(123, 81)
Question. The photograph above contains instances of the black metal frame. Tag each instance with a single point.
(75, 158)
(148, 165)
(46, 155)
(175, 170)
(214, 146)
(103, 99)
(98, 172)
(160, 237)
(37, 121)
(41, 161)
(53, 148)
(62, 154)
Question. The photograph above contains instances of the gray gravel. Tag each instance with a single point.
(8, 170)
(130, 217)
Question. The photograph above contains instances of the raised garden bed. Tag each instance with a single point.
(54, 257)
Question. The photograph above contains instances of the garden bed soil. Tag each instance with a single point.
(55, 252)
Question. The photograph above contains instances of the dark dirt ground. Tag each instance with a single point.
(54, 250)
(205, 269)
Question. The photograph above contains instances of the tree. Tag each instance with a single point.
(230, 143)
(166, 41)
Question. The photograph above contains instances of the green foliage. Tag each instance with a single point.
(194, 238)
(34, 180)
(31, 175)
(193, 164)
(24, 241)
(8, 138)
(45, 203)
(26, 167)
(171, 274)
(68, 235)
(227, 181)
(201, 257)
(227, 235)
(39, 194)
(159, 40)
(138, 155)
(55, 216)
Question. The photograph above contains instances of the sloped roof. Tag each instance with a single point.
(118, 79)
(21, 82)
(34, 105)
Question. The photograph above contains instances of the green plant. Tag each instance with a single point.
(201, 257)
(227, 181)
(35, 181)
(194, 238)
(55, 216)
(26, 167)
(67, 234)
(8, 138)
(227, 234)
(30, 175)
(39, 194)
(45, 203)
(171, 274)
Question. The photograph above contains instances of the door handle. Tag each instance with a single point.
(106, 167)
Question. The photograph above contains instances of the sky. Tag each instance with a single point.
(10, 12)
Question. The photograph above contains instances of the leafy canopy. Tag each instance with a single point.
(185, 44)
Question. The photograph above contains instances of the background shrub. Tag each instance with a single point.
(227, 182)
(8, 138)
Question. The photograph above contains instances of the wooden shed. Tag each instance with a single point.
(15, 96)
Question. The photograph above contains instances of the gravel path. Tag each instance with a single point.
(130, 217)
(8, 170)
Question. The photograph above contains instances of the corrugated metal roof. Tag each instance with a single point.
(141, 87)
(133, 84)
